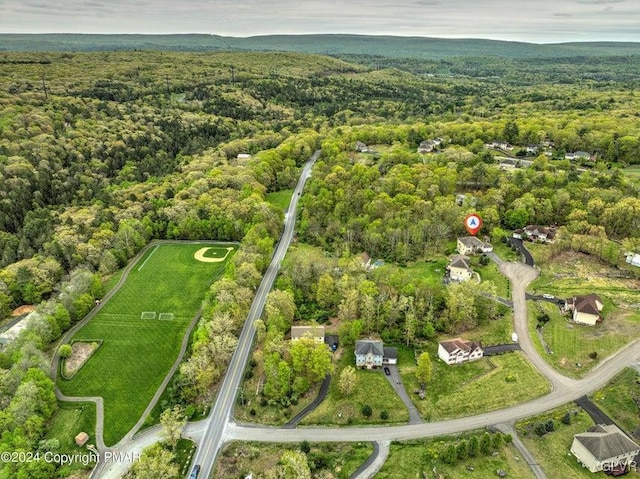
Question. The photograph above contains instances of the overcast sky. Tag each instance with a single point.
(540, 21)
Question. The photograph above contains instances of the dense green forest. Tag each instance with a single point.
(102, 152)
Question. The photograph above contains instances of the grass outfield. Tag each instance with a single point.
(137, 353)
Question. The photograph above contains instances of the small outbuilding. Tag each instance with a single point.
(82, 438)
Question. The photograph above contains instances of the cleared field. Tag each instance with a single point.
(280, 199)
(137, 353)
(571, 274)
(461, 390)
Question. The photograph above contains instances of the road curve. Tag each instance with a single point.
(220, 415)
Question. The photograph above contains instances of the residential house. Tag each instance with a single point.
(390, 355)
(633, 259)
(369, 353)
(470, 199)
(428, 146)
(314, 332)
(460, 268)
(578, 155)
(243, 156)
(362, 148)
(533, 149)
(536, 233)
(604, 448)
(471, 245)
(499, 145)
(585, 309)
(459, 350)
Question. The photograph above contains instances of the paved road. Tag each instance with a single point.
(526, 454)
(322, 393)
(374, 462)
(398, 386)
(220, 415)
(500, 349)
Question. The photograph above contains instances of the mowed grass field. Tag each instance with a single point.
(136, 353)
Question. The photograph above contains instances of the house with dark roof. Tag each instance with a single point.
(604, 448)
(585, 309)
(369, 353)
(460, 268)
(458, 350)
(428, 146)
(541, 234)
(390, 355)
(472, 245)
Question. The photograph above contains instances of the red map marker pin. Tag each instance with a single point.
(472, 222)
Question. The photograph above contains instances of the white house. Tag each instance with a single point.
(459, 350)
(577, 155)
(604, 448)
(585, 309)
(460, 268)
(633, 259)
(369, 353)
(471, 245)
(314, 332)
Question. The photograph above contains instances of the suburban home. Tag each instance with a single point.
(533, 149)
(459, 350)
(362, 148)
(461, 198)
(633, 259)
(537, 233)
(390, 355)
(499, 145)
(577, 155)
(472, 245)
(314, 332)
(428, 146)
(369, 353)
(460, 268)
(604, 448)
(243, 156)
(585, 309)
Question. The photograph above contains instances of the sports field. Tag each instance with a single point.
(165, 287)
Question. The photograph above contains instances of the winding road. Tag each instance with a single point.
(211, 433)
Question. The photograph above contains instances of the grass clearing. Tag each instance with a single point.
(137, 353)
(461, 390)
(410, 459)
(617, 400)
(338, 460)
(280, 199)
(491, 273)
(424, 273)
(571, 344)
(552, 449)
(632, 172)
(373, 389)
(69, 420)
(569, 274)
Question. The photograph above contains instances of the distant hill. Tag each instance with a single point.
(338, 44)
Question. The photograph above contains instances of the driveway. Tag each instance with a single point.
(396, 383)
(501, 348)
(528, 259)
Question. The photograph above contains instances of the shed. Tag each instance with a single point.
(82, 438)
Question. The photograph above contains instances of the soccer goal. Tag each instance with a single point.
(148, 315)
(165, 316)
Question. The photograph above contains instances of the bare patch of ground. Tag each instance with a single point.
(24, 309)
(80, 353)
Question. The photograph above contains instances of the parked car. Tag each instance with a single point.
(387, 371)
(195, 472)
(548, 296)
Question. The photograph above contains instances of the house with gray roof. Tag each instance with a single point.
(315, 332)
(604, 448)
(369, 353)
(472, 245)
(460, 268)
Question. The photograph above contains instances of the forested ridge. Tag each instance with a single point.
(102, 152)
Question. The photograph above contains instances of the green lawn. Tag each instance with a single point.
(570, 344)
(617, 399)
(505, 252)
(373, 389)
(552, 449)
(280, 199)
(491, 273)
(461, 390)
(337, 460)
(410, 459)
(632, 172)
(137, 353)
(68, 421)
(425, 273)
